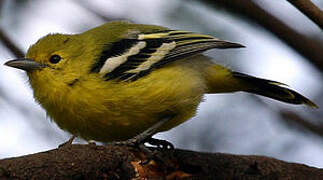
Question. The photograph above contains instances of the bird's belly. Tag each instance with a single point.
(100, 130)
(118, 112)
(116, 125)
(121, 124)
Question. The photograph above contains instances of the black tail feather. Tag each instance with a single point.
(272, 89)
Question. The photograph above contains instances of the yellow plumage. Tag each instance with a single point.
(106, 111)
(119, 104)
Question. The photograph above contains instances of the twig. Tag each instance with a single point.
(310, 10)
(15, 50)
(309, 48)
(293, 118)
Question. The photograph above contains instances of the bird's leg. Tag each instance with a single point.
(144, 136)
(139, 141)
(67, 143)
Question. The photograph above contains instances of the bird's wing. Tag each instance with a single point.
(136, 56)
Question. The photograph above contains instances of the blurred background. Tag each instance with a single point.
(282, 45)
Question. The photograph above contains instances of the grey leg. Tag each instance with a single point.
(67, 143)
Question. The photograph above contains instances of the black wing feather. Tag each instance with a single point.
(186, 44)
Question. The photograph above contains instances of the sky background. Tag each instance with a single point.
(237, 123)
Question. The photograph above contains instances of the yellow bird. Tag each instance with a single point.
(118, 80)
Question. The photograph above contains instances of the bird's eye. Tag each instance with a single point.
(55, 59)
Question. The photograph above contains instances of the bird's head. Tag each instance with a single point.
(55, 57)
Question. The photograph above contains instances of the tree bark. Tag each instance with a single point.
(114, 162)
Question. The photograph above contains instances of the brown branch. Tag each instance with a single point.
(12, 47)
(295, 119)
(310, 10)
(309, 48)
(111, 162)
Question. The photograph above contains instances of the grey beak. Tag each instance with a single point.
(25, 64)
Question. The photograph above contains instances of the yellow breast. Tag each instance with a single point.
(109, 110)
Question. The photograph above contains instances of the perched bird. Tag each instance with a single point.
(118, 80)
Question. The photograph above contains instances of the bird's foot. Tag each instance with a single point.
(162, 152)
(161, 144)
(163, 148)
(146, 137)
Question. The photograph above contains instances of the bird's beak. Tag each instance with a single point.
(25, 64)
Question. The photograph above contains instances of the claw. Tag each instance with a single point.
(145, 137)
(161, 144)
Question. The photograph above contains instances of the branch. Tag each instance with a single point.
(310, 10)
(292, 118)
(112, 162)
(12, 47)
(309, 48)
(295, 119)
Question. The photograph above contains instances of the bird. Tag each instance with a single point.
(125, 82)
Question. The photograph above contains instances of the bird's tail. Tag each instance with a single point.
(224, 80)
(272, 89)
